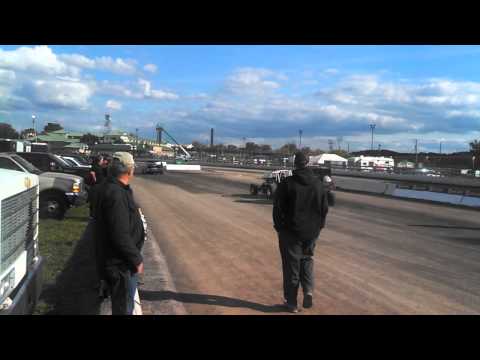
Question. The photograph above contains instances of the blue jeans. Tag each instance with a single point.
(123, 285)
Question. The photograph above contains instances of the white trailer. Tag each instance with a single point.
(371, 163)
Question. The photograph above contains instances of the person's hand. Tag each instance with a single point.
(140, 268)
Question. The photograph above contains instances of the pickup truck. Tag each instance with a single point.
(55, 163)
(58, 192)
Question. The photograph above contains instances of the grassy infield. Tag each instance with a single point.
(57, 239)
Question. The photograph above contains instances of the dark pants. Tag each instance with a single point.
(297, 267)
(122, 285)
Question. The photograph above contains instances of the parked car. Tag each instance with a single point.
(58, 192)
(54, 163)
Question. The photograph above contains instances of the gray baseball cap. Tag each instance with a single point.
(125, 158)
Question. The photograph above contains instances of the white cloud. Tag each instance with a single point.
(331, 71)
(118, 65)
(150, 68)
(78, 60)
(105, 63)
(164, 95)
(38, 59)
(148, 92)
(58, 93)
(113, 105)
(253, 81)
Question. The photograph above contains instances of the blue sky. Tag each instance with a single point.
(263, 93)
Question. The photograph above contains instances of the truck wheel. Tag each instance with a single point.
(52, 206)
(269, 192)
(253, 189)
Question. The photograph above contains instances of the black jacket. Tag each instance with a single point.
(119, 228)
(300, 205)
(99, 173)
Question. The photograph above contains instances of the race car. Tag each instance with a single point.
(154, 167)
(271, 181)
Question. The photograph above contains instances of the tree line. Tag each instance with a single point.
(252, 148)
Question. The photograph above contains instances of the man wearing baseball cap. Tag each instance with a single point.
(299, 212)
(120, 234)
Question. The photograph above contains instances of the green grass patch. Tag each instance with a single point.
(57, 239)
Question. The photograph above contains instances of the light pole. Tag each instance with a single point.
(300, 132)
(416, 153)
(34, 128)
(244, 149)
(136, 141)
(372, 127)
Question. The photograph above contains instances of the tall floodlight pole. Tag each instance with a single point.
(34, 128)
(136, 141)
(416, 153)
(244, 148)
(372, 127)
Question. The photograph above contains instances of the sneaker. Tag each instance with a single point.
(308, 301)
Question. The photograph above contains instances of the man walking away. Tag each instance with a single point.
(119, 234)
(299, 212)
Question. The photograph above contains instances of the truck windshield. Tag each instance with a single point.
(27, 165)
(63, 162)
(70, 162)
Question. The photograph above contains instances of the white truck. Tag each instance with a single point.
(20, 262)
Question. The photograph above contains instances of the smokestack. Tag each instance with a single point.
(211, 137)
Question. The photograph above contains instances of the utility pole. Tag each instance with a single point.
(440, 148)
(372, 127)
(34, 128)
(330, 145)
(136, 140)
(416, 153)
(244, 148)
(348, 148)
(300, 132)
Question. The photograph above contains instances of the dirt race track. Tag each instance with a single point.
(375, 256)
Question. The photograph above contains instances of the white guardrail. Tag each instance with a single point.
(181, 167)
(391, 189)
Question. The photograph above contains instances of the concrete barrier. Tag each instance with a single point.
(179, 167)
(470, 201)
(362, 185)
(428, 195)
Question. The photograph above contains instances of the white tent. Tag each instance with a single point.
(326, 159)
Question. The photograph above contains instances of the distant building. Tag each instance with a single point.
(116, 136)
(61, 140)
